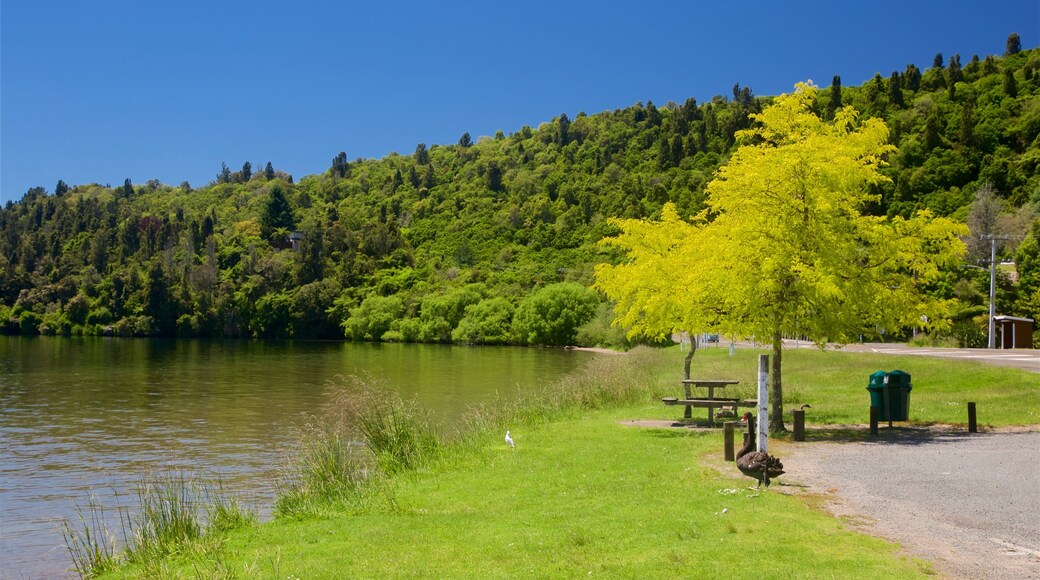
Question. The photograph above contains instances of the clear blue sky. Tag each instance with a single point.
(103, 90)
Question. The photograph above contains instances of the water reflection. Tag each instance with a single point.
(83, 415)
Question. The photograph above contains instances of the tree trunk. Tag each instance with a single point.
(776, 396)
(689, 358)
(688, 411)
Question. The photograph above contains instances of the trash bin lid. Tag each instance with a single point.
(900, 379)
(877, 380)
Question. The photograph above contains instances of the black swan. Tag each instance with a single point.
(757, 464)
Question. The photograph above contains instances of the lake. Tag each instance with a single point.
(83, 416)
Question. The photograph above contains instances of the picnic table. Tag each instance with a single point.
(709, 402)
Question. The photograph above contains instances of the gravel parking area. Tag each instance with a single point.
(968, 503)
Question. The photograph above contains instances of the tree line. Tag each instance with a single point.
(493, 240)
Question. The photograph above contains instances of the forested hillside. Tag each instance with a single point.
(492, 240)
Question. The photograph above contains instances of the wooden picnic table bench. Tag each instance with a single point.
(711, 402)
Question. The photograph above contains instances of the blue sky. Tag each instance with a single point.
(101, 91)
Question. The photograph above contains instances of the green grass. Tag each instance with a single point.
(582, 494)
(835, 384)
(178, 515)
(579, 496)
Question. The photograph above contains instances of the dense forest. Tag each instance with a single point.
(493, 240)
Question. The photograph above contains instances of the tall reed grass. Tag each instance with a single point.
(170, 515)
(174, 513)
(91, 545)
(605, 382)
(365, 431)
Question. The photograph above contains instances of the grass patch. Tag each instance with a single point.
(92, 547)
(177, 514)
(835, 384)
(575, 496)
(365, 434)
(379, 492)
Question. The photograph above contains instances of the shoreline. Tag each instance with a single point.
(594, 349)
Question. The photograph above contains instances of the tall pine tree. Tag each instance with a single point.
(277, 214)
(835, 101)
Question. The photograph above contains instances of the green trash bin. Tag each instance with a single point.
(890, 393)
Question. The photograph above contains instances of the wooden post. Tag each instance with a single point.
(972, 425)
(762, 441)
(873, 420)
(799, 424)
(727, 439)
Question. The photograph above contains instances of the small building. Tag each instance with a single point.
(295, 239)
(1015, 332)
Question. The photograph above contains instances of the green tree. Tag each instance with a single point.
(269, 171)
(441, 313)
(422, 156)
(552, 315)
(493, 176)
(784, 247)
(953, 75)
(895, 90)
(966, 135)
(1027, 261)
(1010, 85)
(247, 171)
(912, 78)
(277, 213)
(161, 305)
(834, 102)
(563, 127)
(465, 140)
(340, 165)
(61, 189)
(1014, 44)
(373, 318)
(487, 322)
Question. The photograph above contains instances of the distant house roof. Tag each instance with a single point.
(296, 236)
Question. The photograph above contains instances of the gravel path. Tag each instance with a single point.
(968, 503)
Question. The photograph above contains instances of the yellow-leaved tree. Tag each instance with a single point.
(783, 246)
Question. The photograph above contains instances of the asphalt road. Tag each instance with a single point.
(968, 503)
(1027, 359)
(1021, 358)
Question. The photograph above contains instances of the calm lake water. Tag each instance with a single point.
(82, 416)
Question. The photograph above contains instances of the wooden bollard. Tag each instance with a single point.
(727, 439)
(972, 425)
(873, 420)
(799, 424)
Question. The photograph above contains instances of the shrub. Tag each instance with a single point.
(600, 330)
(99, 316)
(372, 319)
(969, 334)
(487, 322)
(441, 313)
(552, 315)
(29, 322)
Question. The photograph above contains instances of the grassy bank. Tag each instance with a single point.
(581, 494)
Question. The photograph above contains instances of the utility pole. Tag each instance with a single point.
(993, 285)
(992, 291)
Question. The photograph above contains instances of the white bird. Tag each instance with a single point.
(509, 440)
